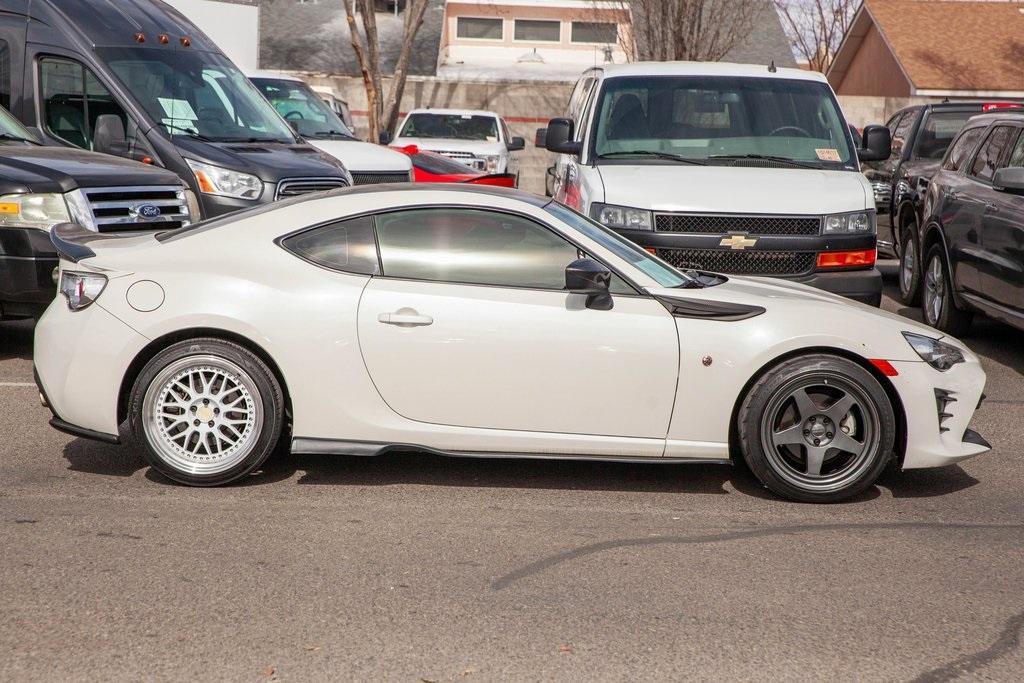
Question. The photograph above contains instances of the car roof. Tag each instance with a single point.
(456, 112)
(707, 69)
(1015, 115)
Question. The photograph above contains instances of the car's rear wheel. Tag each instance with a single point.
(910, 266)
(207, 411)
(817, 428)
(937, 303)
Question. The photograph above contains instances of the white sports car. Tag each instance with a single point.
(481, 322)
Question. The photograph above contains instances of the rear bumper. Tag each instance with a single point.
(27, 261)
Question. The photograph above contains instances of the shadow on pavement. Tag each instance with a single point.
(16, 339)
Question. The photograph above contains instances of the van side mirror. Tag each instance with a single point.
(559, 137)
(539, 136)
(515, 144)
(877, 145)
(384, 137)
(1009, 180)
(587, 276)
(109, 136)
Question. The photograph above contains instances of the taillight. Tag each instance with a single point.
(81, 289)
(846, 259)
(989, 106)
(569, 192)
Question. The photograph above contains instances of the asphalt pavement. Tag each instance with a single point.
(413, 567)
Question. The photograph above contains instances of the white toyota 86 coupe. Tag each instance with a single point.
(481, 322)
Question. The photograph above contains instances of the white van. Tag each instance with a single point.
(732, 168)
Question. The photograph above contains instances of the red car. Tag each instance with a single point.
(431, 167)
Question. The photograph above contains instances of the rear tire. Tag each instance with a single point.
(937, 303)
(910, 266)
(817, 429)
(206, 411)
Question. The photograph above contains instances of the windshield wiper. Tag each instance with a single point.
(767, 157)
(18, 138)
(188, 132)
(334, 133)
(660, 155)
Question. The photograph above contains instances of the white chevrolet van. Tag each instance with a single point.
(732, 168)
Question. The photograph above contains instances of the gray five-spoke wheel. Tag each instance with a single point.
(820, 432)
(201, 414)
(908, 263)
(934, 290)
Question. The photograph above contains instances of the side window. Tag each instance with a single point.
(893, 122)
(470, 246)
(899, 136)
(5, 75)
(346, 245)
(1017, 153)
(987, 160)
(961, 149)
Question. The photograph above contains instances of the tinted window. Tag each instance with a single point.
(987, 161)
(531, 29)
(480, 29)
(899, 136)
(346, 245)
(937, 132)
(962, 148)
(72, 100)
(302, 106)
(473, 247)
(594, 32)
(893, 122)
(5, 75)
(1017, 153)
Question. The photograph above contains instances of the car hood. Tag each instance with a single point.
(269, 161)
(362, 157)
(61, 169)
(452, 145)
(730, 189)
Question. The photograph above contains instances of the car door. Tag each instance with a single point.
(979, 201)
(469, 326)
(960, 213)
(1002, 236)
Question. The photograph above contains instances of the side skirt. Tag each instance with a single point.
(309, 446)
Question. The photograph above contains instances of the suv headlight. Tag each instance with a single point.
(623, 217)
(492, 162)
(81, 289)
(225, 182)
(938, 354)
(40, 211)
(855, 223)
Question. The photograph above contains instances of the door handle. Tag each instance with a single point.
(991, 208)
(405, 317)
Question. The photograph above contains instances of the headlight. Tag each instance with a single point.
(225, 182)
(81, 289)
(41, 211)
(939, 355)
(492, 162)
(80, 209)
(621, 216)
(856, 223)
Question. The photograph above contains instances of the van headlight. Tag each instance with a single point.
(854, 223)
(622, 217)
(938, 354)
(36, 210)
(224, 182)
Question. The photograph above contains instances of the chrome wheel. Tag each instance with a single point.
(934, 290)
(908, 262)
(202, 414)
(820, 432)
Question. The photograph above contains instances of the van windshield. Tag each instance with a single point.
(720, 118)
(298, 104)
(196, 93)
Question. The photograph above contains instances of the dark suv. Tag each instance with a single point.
(973, 234)
(920, 136)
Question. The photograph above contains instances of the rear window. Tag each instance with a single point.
(938, 132)
(346, 245)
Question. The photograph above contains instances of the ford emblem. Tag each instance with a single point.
(148, 211)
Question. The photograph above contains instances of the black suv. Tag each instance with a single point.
(973, 234)
(920, 136)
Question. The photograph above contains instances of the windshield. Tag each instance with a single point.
(303, 108)
(11, 127)
(659, 271)
(701, 117)
(191, 92)
(939, 130)
(453, 126)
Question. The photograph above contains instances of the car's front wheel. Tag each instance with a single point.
(817, 428)
(207, 411)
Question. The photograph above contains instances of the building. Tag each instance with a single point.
(532, 39)
(933, 48)
(234, 25)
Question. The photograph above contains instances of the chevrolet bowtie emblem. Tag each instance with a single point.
(737, 242)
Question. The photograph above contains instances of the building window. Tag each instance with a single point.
(538, 31)
(594, 32)
(478, 28)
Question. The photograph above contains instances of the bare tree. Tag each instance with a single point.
(383, 107)
(816, 27)
(699, 30)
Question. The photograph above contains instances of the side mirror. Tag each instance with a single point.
(1009, 180)
(587, 276)
(384, 137)
(516, 144)
(539, 136)
(109, 136)
(877, 144)
(559, 137)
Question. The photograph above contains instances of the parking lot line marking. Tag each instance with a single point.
(17, 384)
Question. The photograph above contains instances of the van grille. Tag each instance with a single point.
(721, 224)
(376, 177)
(467, 158)
(119, 209)
(296, 186)
(741, 262)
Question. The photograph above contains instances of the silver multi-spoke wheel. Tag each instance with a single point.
(934, 290)
(908, 262)
(202, 414)
(820, 432)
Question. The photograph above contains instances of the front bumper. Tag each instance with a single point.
(27, 262)
(864, 286)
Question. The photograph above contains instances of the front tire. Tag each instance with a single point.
(937, 303)
(817, 429)
(207, 412)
